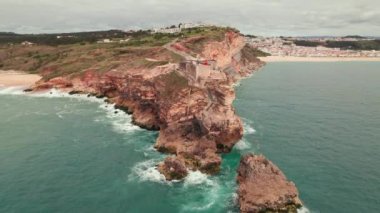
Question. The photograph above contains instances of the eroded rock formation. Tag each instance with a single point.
(264, 188)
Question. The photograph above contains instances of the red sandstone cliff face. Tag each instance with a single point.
(264, 188)
(196, 121)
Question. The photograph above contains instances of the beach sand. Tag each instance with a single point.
(315, 59)
(17, 78)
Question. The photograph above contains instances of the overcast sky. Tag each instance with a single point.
(258, 17)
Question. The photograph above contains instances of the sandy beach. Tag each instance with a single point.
(315, 59)
(17, 78)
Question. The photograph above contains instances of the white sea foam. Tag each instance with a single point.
(303, 210)
(237, 84)
(59, 115)
(197, 178)
(247, 126)
(147, 171)
(12, 90)
(121, 122)
(209, 188)
(242, 145)
(235, 198)
(54, 93)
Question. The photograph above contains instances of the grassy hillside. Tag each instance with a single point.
(68, 59)
(74, 53)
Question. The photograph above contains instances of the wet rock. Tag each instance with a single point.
(264, 188)
(173, 168)
(74, 92)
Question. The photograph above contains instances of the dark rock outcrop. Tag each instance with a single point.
(264, 188)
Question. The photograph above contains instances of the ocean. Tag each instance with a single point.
(319, 122)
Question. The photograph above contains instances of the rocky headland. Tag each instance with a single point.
(179, 85)
(183, 89)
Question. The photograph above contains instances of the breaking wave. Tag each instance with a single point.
(121, 121)
(147, 171)
(303, 210)
(54, 93)
(242, 145)
(205, 189)
(12, 90)
(247, 126)
(197, 178)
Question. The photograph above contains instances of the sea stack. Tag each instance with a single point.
(264, 188)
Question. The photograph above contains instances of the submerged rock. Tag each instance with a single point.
(264, 188)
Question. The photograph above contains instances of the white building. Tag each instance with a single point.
(188, 25)
(26, 43)
(105, 41)
(168, 30)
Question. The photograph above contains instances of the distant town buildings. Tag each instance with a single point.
(107, 41)
(278, 46)
(65, 36)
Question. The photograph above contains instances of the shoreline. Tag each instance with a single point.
(316, 59)
(12, 78)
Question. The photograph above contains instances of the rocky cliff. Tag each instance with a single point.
(188, 102)
(264, 188)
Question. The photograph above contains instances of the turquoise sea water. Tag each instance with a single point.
(319, 122)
